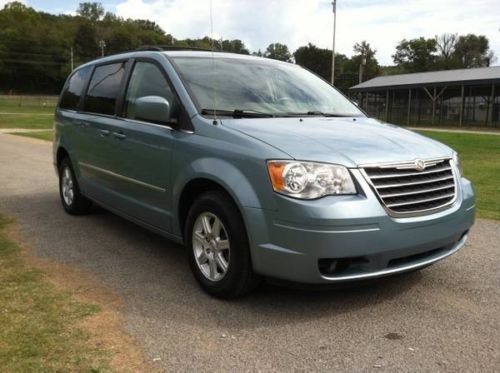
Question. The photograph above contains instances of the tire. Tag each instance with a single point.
(220, 259)
(73, 202)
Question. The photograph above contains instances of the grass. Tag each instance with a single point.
(40, 329)
(41, 135)
(27, 121)
(480, 155)
(28, 115)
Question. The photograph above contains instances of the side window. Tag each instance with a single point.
(147, 80)
(74, 89)
(104, 88)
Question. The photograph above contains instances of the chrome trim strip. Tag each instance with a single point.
(390, 271)
(413, 183)
(121, 177)
(420, 201)
(405, 164)
(326, 230)
(417, 191)
(378, 177)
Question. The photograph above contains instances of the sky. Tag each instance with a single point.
(383, 23)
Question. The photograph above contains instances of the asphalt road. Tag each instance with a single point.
(444, 318)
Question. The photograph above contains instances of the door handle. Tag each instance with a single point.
(119, 135)
(104, 133)
(82, 124)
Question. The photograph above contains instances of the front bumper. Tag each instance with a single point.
(347, 238)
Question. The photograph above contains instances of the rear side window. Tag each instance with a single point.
(104, 88)
(74, 89)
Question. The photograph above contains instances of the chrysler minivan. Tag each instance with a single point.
(259, 167)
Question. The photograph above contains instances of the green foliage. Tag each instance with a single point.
(416, 55)
(35, 47)
(92, 11)
(319, 61)
(278, 51)
(473, 51)
(446, 51)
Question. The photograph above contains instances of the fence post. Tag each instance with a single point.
(462, 104)
(409, 108)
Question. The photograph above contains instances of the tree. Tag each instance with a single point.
(446, 47)
(234, 46)
(473, 51)
(416, 55)
(91, 10)
(278, 51)
(316, 59)
(85, 41)
(364, 54)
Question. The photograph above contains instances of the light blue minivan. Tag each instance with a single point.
(259, 167)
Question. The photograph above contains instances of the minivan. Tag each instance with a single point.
(259, 167)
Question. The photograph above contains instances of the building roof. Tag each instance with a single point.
(433, 78)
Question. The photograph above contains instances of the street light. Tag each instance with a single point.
(334, 4)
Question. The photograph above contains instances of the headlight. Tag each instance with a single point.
(309, 180)
(458, 164)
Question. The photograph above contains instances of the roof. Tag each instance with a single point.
(178, 53)
(436, 78)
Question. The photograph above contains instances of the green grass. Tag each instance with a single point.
(41, 135)
(39, 324)
(27, 104)
(480, 155)
(27, 121)
(25, 114)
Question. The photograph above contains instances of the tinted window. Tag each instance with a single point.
(73, 89)
(147, 80)
(104, 88)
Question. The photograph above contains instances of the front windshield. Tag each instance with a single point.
(260, 86)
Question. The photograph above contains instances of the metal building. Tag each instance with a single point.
(465, 97)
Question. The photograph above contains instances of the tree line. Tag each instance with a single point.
(38, 49)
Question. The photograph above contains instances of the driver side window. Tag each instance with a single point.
(147, 80)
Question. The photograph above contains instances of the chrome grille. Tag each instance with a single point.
(404, 190)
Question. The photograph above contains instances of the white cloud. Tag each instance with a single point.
(296, 22)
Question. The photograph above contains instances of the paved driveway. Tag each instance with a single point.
(444, 318)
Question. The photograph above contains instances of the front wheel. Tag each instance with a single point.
(73, 201)
(218, 248)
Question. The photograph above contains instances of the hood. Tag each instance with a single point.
(347, 141)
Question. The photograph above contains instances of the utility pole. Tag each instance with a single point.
(72, 60)
(334, 4)
(102, 45)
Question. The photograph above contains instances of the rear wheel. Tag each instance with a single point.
(218, 247)
(73, 201)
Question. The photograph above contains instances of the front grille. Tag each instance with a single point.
(405, 190)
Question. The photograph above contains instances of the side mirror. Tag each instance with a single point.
(153, 109)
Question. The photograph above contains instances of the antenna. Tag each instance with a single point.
(214, 68)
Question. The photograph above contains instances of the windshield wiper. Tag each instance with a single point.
(237, 113)
(323, 114)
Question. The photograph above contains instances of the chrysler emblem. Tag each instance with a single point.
(419, 165)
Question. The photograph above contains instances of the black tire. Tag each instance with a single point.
(79, 204)
(239, 279)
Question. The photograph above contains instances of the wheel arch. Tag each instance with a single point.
(192, 190)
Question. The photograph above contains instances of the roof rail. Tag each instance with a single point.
(160, 48)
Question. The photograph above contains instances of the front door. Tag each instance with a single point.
(144, 150)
